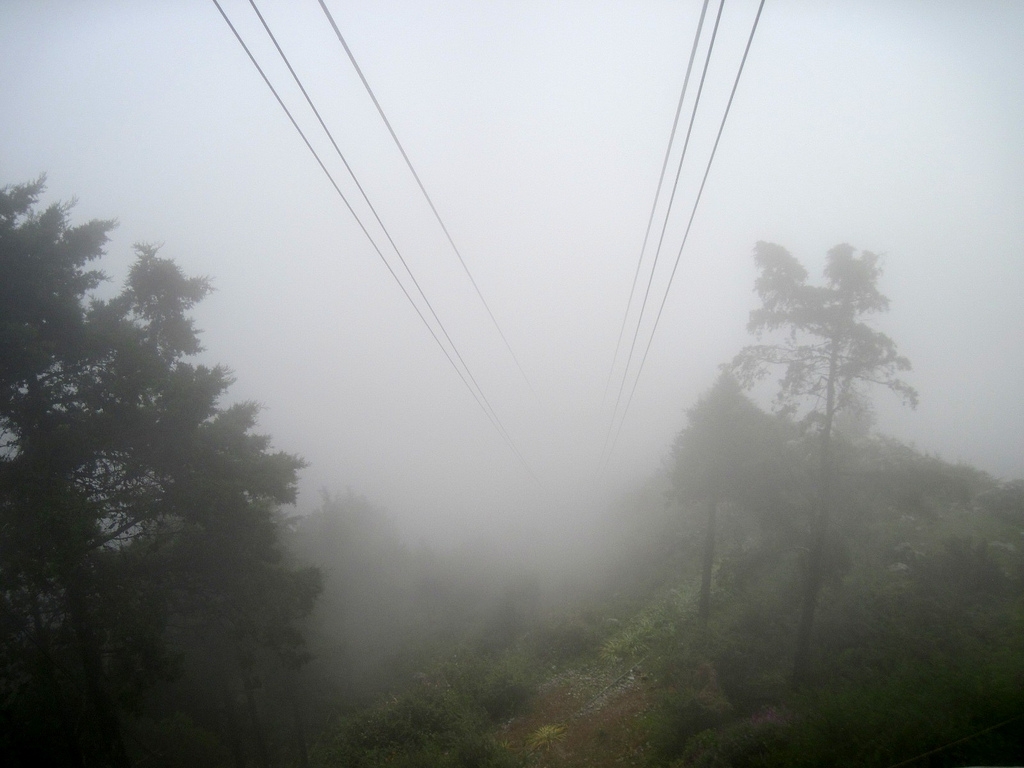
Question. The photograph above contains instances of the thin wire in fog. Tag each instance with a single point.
(675, 185)
(423, 189)
(654, 205)
(480, 398)
(608, 440)
(689, 224)
(369, 204)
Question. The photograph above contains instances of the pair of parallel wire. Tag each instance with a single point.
(464, 372)
(618, 419)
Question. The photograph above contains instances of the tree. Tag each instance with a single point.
(235, 599)
(114, 454)
(727, 452)
(827, 354)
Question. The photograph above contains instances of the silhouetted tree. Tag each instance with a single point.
(827, 352)
(114, 457)
(728, 451)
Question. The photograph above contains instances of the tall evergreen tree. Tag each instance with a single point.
(114, 455)
(828, 352)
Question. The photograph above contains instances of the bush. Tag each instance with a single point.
(886, 719)
(441, 723)
(745, 744)
(501, 687)
(699, 706)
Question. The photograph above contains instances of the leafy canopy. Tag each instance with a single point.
(132, 505)
(827, 345)
(729, 447)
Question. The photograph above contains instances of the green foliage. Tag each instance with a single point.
(711, 674)
(733, 457)
(655, 623)
(501, 687)
(545, 737)
(920, 636)
(431, 725)
(445, 718)
(387, 612)
(827, 353)
(729, 450)
(900, 678)
(746, 743)
(629, 643)
(827, 348)
(909, 657)
(924, 706)
(138, 518)
(679, 718)
(1006, 500)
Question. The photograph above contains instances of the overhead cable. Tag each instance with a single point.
(654, 205)
(369, 204)
(606, 449)
(423, 189)
(689, 224)
(675, 184)
(479, 397)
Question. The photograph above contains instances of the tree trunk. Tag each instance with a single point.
(300, 732)
(809, 598)
(262, 755)
(53, 692)
(819, 535)
(108, 727)
(704, 611)
(231, 728)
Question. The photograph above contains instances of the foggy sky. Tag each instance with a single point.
(539, 129)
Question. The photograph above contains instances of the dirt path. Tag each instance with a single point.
(599, 708)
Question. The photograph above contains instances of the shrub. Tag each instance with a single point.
(681, 715)
(500, 687)
(748, 743)
(886, 719)
(545, 737)
(441, 723)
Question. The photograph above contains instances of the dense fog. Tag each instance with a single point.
(398, 407)
(539, 131)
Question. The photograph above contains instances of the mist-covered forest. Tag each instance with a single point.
(789, 586)
(518, 384)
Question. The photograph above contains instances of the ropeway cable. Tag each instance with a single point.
(480, 398)
(606, 448)
(369, 204)
(654, 205)
(423, 189)
(689, 224)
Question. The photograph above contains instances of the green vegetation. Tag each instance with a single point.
(545, 737)
(446, 719)
(139, 523)
(789, 590)
(919, 639)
